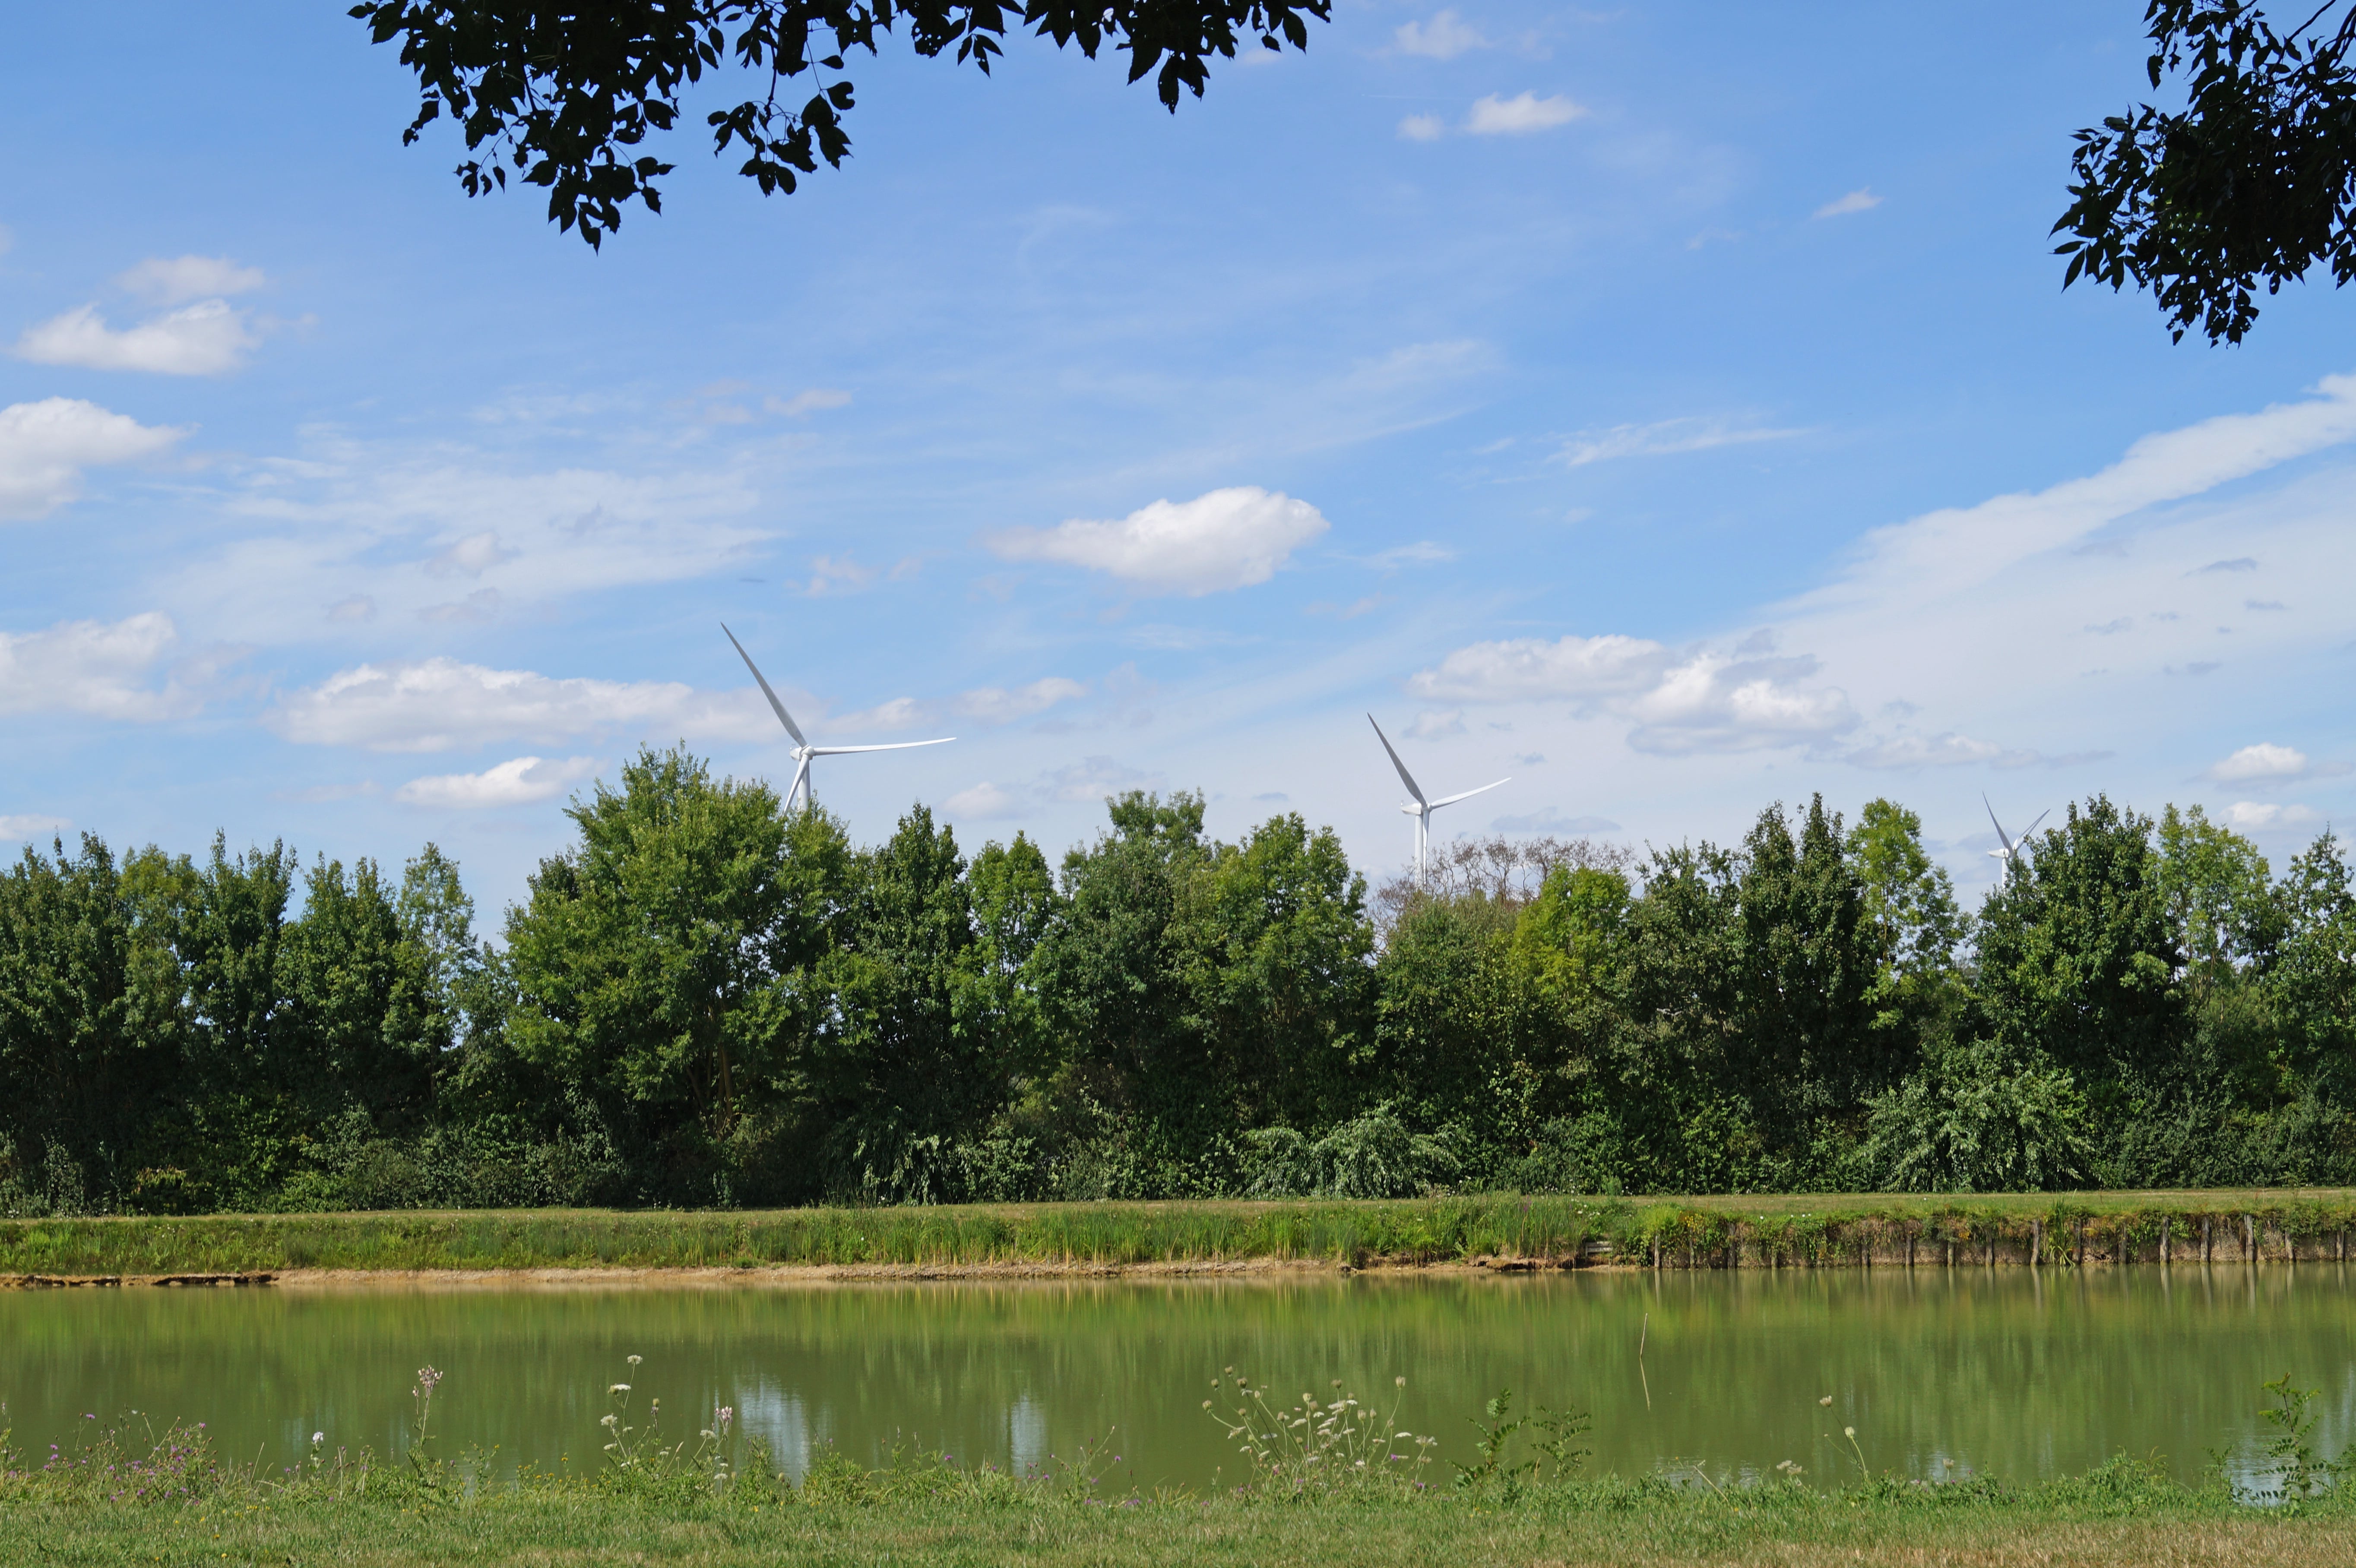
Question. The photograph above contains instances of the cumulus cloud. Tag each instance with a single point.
(1421, 128)
(2264, 761)
(45, 447)
(167, 281)
(2260, 814)
(1520, 115)
(518, 781)
(436, 705)
(1528, 669)
(1701, 701)
(1443, 38)
(1664, 438)
(1228, 539)
(1713, 703)
(1861, 199)
(90, 666)
(211, 337)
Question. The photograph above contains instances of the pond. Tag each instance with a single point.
(2012, 1371)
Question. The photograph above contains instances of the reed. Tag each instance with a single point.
(1746, 1231)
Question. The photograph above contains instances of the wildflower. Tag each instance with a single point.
(1398, 1382)
(636, 1359)
(1826, 1400)
(1850, 1431)
(318, 1437)
(619, 1388)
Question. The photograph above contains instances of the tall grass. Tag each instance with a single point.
(1749, 1231)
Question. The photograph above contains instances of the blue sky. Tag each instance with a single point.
(1673, 407)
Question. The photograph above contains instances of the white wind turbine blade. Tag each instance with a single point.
(784, 718)
(793, 788)
(2032, 826)
(1451, 800)
(892, 746)
(2002, 837)
(1406, 777)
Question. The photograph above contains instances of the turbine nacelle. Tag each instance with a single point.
(804, 753)
(1422, 807)
(2013, 848)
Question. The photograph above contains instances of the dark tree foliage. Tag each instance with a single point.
(2251, 181)
(707, 1000)
(567, 96)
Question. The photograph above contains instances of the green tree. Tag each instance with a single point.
(659, 964)
(1275, 956)
(1806, 972)
(2311, 986)
(903, 1064)
(567, 96)
(88, 1022)
(2079, 963)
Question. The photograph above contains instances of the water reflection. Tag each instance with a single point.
(1942, 1373)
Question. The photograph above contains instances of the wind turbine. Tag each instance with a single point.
(803, 750)
(1421, 809)
(2011, 852)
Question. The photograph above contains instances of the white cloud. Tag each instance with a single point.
(1861, 199)
(32, 826)
(1948, 750)
(1441, 39)
(996, 705)
(1421, 128)
(985, 802)
(45, 446)
(208, 338)
(1228, 539)
(354, 607)
(169, 281)
(1712, 703)
(518, 781)
(438, 704)
(1435, 726)
(471, 556)
(1092, 779)
(88, 667)
(2255, 813)
(1520, 115)
(833, 575)
(811, 401)
(1664, 438)
(2263, 761)
(481, 605)
(1532, 669)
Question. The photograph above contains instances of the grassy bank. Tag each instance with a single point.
(1601, 1526)
(1805, 1231)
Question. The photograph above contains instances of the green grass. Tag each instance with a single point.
(2122, 1516)
(1780, 1230)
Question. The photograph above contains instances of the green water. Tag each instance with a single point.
(2010, 1371)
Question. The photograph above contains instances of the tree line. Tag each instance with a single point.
(705, 1001)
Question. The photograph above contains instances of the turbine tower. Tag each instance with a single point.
(1421, 808)
(2013, 848)
(803, 750)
